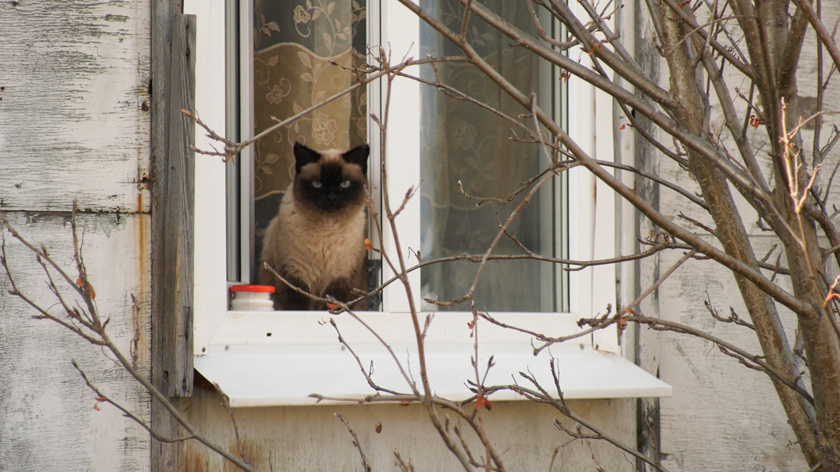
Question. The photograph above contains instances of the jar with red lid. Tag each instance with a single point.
(251, 298)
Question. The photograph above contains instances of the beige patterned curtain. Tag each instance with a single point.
(461, 141)
(295, 44)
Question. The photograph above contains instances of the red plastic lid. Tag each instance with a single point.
(252, 288)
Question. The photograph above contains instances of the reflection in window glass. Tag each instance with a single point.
(463, 142)
(294, 43)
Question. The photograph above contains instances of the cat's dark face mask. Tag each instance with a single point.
(332, 187)
(331, 182)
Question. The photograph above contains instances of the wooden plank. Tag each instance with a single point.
(522, 431)
(74, 106)
(180, 203)
(74, 125)
(173, 65)
(163, 455)
(718, 404)
(648, 430)
(48, 421)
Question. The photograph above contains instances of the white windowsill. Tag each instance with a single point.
(303, 356)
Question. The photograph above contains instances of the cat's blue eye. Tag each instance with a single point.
(345, 184)
(316, 184)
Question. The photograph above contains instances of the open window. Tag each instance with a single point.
(276, 58)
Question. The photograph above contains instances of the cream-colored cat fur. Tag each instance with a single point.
(312, 248)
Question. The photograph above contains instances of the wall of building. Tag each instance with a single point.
(312, 438)
(724, 416)
(74, 124)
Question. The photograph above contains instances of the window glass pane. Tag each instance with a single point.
(463, 142)
(294, 43)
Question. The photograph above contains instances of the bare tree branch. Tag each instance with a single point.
(99, 336)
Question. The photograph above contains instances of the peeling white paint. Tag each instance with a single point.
(72, 127)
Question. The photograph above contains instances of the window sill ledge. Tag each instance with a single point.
(297, 361)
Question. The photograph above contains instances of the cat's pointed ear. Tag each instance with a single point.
(358, 155)
(303, 156)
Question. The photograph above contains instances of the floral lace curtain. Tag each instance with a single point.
(462, 142)
(295, 42)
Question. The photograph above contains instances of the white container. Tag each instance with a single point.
(251, 298)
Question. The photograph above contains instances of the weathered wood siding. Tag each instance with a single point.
(312, 438)
(74, 118)
(173, 197)
(47, 417)
(644, 343)
(74, 124)
(723, 416)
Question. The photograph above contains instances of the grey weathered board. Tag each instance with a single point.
(74, 125)
(162, 12)
(74, 105)
(178, 204)
(648, 431)
(50, 420)
(173, 205)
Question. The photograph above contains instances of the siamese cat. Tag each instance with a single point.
(317, 239)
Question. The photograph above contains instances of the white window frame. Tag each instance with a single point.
(220, 335)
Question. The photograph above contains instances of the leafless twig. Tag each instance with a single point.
(356, 444)
(87, 324)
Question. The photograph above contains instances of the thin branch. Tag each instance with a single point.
(233, 148)
(723, 51)
(627, 70)
(84, 289)
(665, 325)
(465, 21)
(666, 183)
(545, 398)
(356, 443)
(823, 35)
(736, 265)
(370, 381)
(733, 317)
(406, 466)
(342, 307)
(698, 224)
(101, 397)
(708, 37)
